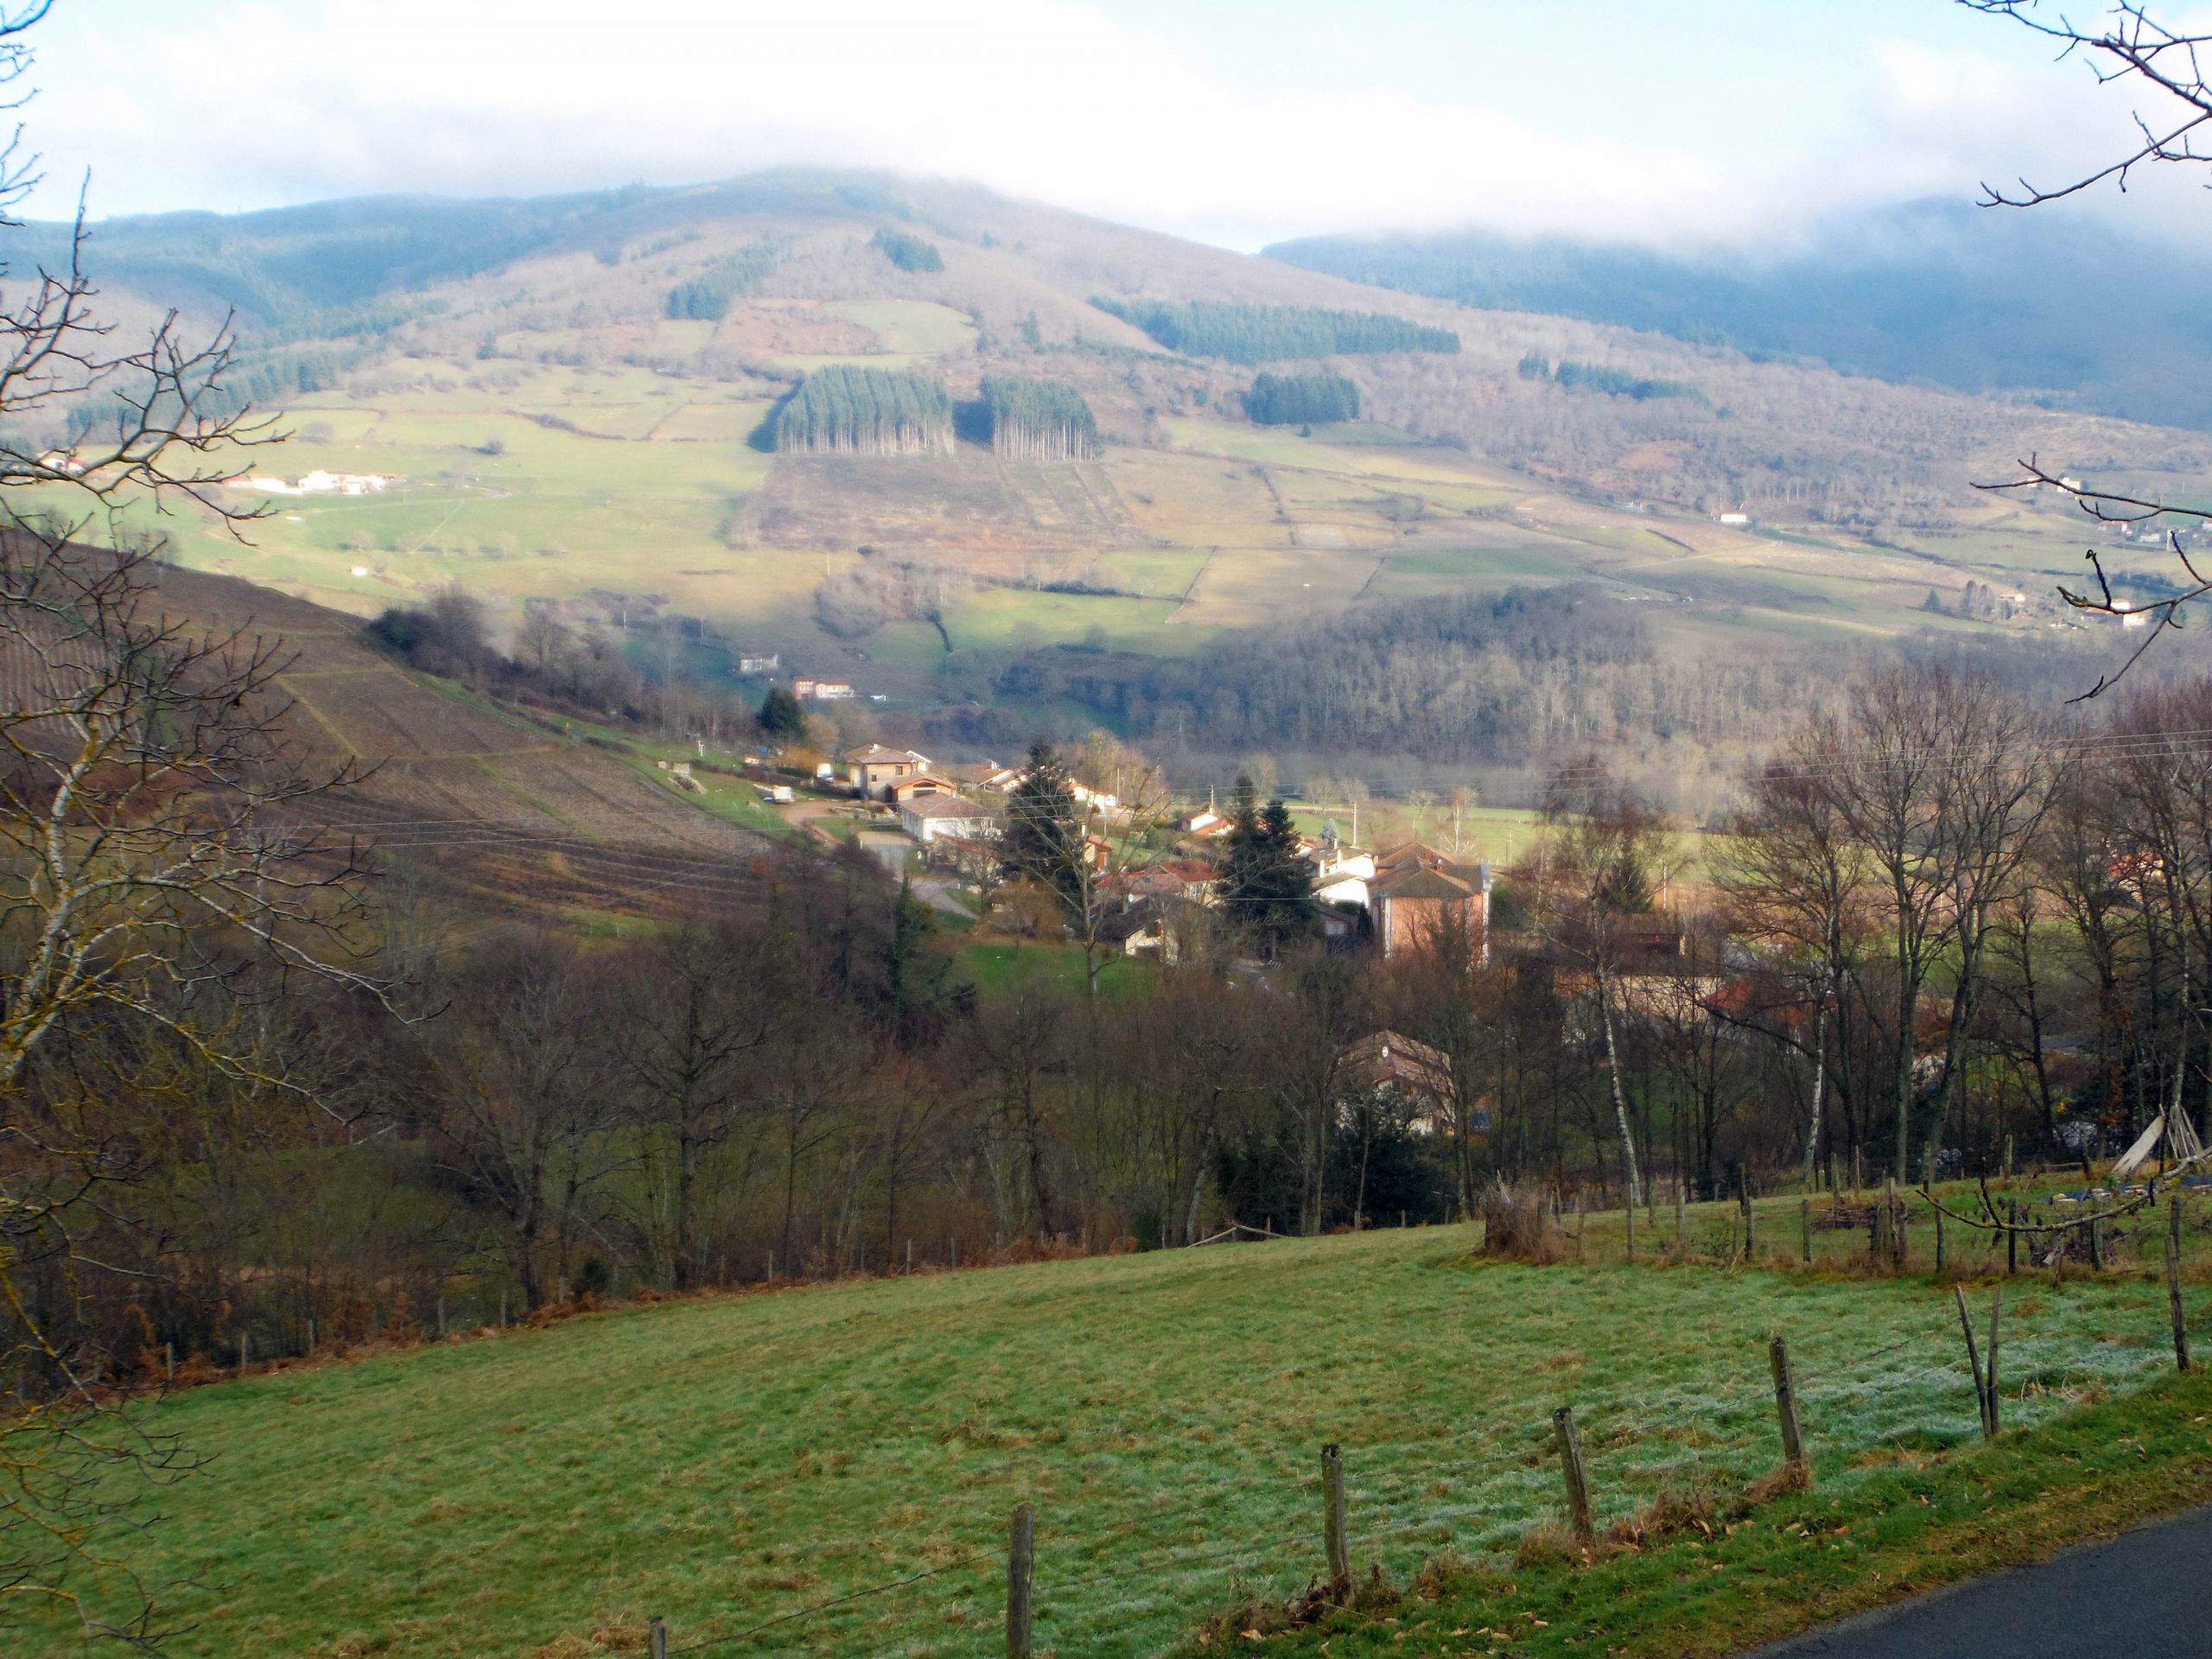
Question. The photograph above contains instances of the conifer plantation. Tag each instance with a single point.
(907, 253)
(842, 411)
(1301, 399)
(1038, 420)
(1267, 334)
(707, 296)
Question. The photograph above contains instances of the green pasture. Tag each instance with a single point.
(730, 1461)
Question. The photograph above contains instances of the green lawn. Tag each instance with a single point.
(726, 1461)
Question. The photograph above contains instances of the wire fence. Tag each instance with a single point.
(1127, 1584)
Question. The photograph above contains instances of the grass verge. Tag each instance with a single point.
(1718, 1583)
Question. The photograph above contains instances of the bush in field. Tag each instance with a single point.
(1517, 1225)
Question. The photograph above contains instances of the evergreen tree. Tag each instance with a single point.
(1267, 333)
(1044, 840)
(780, 715)
(1300, 399)
(1266, 888)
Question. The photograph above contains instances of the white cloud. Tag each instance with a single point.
(240, 104)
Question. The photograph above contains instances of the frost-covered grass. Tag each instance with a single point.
(723, 1462)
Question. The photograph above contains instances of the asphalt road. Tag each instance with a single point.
(2146, 1594)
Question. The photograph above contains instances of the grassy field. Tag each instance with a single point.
(730, 1461)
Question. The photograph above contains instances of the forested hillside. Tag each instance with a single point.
(1008, 468)
(1925, 292)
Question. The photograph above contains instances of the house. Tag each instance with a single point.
(1341, 871)
(1152, 927)
(982, 774)
(768, 664)
(1182, 880)
(1390, 1064)
(1418, 898)
(1735, 518)
(872, 768)
(940, 817)
(1203, 821)
(822, 690)
(918, 782)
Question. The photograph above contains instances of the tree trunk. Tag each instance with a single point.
(1620, 1097)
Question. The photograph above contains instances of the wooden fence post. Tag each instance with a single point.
(310, 1335)
(1785, 1406)
(1744, 1199)
(1973, 1362)
(1681, 1218)
(1578, 1477)
(441, 1318)
(1578, 1227)
(1805, 1227)
(1628, 1217)
(1939, 1238)
(246, 1351)
(2173, 1284)
(168, 1356)
(660, 1637)
(1020, 1566)
(2013, 1237)
(1333, 1519)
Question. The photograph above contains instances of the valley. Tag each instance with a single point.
(545, 432)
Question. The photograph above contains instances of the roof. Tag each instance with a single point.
(1413, 881)
(1390, 1057)
(876, 754)
(972, 771)
(945, 806)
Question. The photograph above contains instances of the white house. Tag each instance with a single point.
(943, 817)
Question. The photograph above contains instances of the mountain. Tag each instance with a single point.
(756, 419)
(2043, 306)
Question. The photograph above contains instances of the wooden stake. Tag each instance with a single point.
(1973, 1362)
(660, 1637)
(1578, 1227)
(1805, 1227)
(1939, 1238)
(1578, 1478)
(245, 1353)
(1333, 1519)
(168, 1355)
(2013, 1237)
(1021, 1566)
(2173, 1285)
(1681, 1218)
(1785, 1406)
(1629, 1219)
(310, 1336)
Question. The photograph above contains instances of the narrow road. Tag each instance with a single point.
(2144, 1595)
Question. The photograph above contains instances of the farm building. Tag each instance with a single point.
(823, 691)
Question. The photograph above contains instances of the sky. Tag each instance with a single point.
(1236, 122)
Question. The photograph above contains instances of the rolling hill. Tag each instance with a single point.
(575, 402)
(830, 1469)
(490, 808)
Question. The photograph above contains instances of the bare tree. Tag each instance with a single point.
(2133, 49)
(1605, 856)
(1793, 872)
